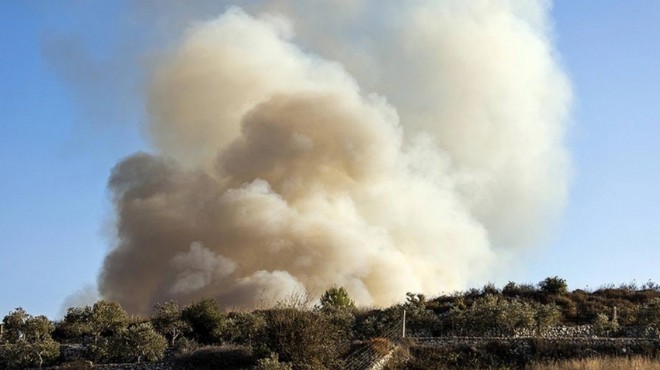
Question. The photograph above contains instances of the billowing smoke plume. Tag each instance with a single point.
(381, 146)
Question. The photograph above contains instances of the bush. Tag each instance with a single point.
(490, 289)
(98, 352)
(28, 340)
(271, 363)
(74, 325)
(216, 357)
(546, 316)
(103, 319)
(420, 321)
(492, 315)
(553, 286)
(377, 323)
(243, 328)
(206, 321)
(167, 321)
(138, 342)
(604, 327)
(565, 304)
(399, 360)
(341, 319)
(491, 355)
(23, 354)
(309, 340)
(336, 298)
(184, 346)
(649, 314)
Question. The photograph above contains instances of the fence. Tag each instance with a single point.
(370, 351)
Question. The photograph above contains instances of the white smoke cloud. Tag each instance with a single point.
(199, 267)
(85, 296)
(410, 146)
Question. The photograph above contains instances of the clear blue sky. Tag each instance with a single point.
(610, 232)
(60, 136)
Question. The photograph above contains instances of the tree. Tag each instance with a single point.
(336, 297)
(494, 315)
(167, 321)
(244, 328)
(104, 318)
(378, 322)
(545, 316)
(419, 319)
(553, 286)
(649, 314)
(138, 342)
(337, 307)
(76, 322)
(29, 341)
(490, 289)
(205, 319)
(96, 325)
(28, 355)
(307, 339)
(510, 289)
(415, 300)
(107, 318)
(13, 325)
(272, 363)
(603, 326)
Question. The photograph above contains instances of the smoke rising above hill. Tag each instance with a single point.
(385, 147)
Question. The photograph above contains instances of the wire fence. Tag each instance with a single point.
(373, 350)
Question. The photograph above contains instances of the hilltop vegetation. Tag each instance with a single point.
(330, 335)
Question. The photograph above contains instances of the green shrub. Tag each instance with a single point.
(184, 346)
(420, 321)
(491, 355)
(167, 320)
(28, 341)
(649, 314)
(603, 326)
(137, 343)
(493, 315)
(309, 340)
(271, 363)
(103, 319)
(243, 328)
(546, 316)
(553, 286)
(336, 298)
(491, 289)
(377, 323)
(566, 305)
(216, 357)
(206, 321)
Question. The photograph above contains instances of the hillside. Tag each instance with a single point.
(518, 325)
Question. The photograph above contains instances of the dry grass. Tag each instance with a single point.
(382, 346)
(619, 363)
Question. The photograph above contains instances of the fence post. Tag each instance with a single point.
(404, 324)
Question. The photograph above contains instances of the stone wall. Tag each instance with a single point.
(640, 332)
(481, 352)
(86, 365)
(144, 366)
(477, 341)
(74, 355)
(559, 331)
(531, 347)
